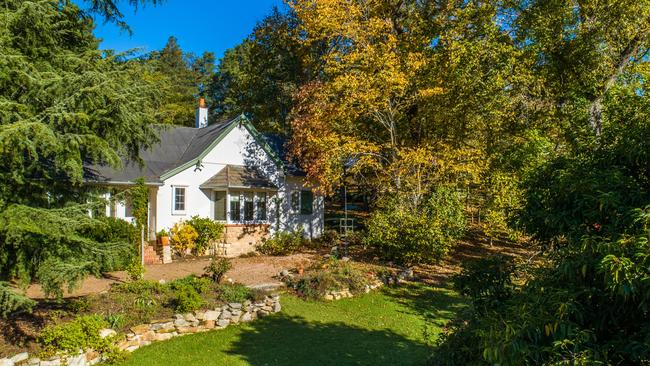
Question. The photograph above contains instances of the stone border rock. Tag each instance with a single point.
(346, 293)
(162, 330)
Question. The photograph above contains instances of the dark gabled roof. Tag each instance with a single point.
(237, 176)
(177, 146)
(182, 147)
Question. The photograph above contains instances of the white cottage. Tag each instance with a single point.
(225, 171)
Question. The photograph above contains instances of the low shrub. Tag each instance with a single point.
(141, 287)
(282, 243)
(208, 231)
(198, 284)
(330, 275)
(329, 238)
(114, 230)
(422, 234)
(187, 300)
(234, 293)
(486, 279)
(80, 305)
(183, 237)
(135, 270)
(81, 333)
(217, 268)
(315, 285)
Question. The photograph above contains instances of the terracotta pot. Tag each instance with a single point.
(164, 241)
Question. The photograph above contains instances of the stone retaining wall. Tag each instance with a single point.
(161, 330)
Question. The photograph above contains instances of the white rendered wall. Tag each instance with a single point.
(237, 148)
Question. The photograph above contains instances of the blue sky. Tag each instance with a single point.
(199, 25)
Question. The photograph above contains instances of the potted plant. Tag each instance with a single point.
(163, 237)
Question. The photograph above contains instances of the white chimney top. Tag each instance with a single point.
(202, 114)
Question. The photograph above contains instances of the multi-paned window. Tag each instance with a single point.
(246, 206)
(306, 202)
(302, 202)
(260, 208)
(179, 202)
(220, 200)
(235, 206)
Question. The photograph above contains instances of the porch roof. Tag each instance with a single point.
(237, 176)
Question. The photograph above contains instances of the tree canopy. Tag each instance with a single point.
(64, 106)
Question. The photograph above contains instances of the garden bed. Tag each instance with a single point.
(125, 305)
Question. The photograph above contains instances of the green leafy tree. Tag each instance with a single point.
(260, 76)
(64, 107)
(182, 78)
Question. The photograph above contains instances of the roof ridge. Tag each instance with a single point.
(197, 133)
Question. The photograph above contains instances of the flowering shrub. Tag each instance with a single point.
(183, 237)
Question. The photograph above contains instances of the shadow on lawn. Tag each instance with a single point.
(287, 340)
(436, 304)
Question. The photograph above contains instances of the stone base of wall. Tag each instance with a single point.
(242, 239)
(162, 330)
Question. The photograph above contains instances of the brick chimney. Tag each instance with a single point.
(201, 114)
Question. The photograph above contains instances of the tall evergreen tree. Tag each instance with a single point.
(64, 106)
(182, 77)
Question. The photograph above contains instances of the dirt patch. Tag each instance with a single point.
(248, 271)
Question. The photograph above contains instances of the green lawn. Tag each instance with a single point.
(393, 326)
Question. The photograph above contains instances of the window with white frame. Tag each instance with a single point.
(248, 206)
(235, 206)
(249, 209)
(260, 207)
(179, 200)
(302, 202)
(220, 199)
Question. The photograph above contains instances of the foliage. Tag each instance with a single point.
(78, 306)
(329, 238)
(260, 75)
(12, 301)
(208, 231)
(181, 77)
(135, 270)
(234, 292)
(66, 106)
(330, 275)
(417, 234)
(140, 287)
(115, 320)
(217, 268)
(139, 195)
(183, 237)
(199, 284)
(162, 233)
(486, 279)
(282, 243)
(57, 246)
(112, 229)
(81, 333)
(187, 299)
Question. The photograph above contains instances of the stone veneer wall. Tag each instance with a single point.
(161, 330)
